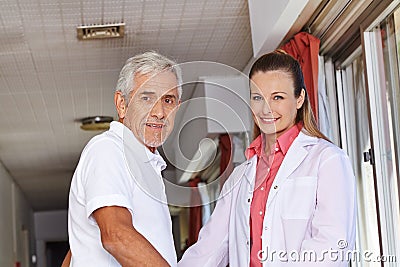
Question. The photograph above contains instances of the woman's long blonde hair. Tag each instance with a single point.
(279, 60)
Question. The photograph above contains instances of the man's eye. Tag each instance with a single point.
(169, 101)
(145, 98)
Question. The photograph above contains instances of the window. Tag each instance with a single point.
(381, 48)
(355, 137)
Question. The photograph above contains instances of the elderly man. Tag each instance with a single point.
(118, 214)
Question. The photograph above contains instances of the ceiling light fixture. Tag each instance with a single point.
(115, 30)
(96, 123)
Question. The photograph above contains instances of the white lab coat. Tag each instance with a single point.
(311, 208)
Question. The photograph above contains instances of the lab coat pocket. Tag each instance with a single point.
(298, 197)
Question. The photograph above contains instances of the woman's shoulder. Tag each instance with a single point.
(328, 149)
(244, 166)
(320, 146)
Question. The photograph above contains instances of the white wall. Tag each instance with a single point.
(6, 226)
(219, 105)
(16, 225)
(49, 226)
(278, 15)
(227, 104)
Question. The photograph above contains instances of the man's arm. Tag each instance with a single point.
(67, 259)
(122, 241)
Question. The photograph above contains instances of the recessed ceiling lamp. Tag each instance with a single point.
(115, 30)
(96, 123)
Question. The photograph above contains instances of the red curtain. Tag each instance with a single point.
(194, 212)
(305, 48)
(226, 165)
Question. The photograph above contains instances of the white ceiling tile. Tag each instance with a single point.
(16, 84)
(80, 98)
(71, 6)
(7, 111)
(66, 106)
(115, 6)
(47, 82)
(40, 111)
(52, 103)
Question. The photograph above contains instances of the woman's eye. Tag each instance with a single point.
(277, 97)
(256, 97)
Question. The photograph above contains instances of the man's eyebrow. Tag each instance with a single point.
(168, 95)
(147, 93)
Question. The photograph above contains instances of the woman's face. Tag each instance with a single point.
(273, 102)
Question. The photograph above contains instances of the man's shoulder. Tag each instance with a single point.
(106, 140)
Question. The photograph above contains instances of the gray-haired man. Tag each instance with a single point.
(118, 214)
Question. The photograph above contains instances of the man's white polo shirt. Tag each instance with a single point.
(115, 169)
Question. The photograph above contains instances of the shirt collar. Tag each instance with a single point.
(156, 159)
(282, 143)
(285, 140)
(254, 148)
(148, 157)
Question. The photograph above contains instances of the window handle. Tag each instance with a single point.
(369, 156)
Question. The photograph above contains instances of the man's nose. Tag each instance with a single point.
(158, 110)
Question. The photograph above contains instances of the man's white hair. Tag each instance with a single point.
(147, 63)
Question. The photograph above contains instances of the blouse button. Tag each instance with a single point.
(275, 187)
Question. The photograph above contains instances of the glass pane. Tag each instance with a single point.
(390, 32)
(358, 142)
(382, 63)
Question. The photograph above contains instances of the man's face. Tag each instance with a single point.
(152, 107)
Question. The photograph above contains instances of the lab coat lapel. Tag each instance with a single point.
(293, 158)
(250, 170)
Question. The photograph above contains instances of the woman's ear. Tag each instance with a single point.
(120, 105)
(300, 99)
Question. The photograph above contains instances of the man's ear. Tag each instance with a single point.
(120, 104)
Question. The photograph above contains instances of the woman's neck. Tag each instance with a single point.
(269, 142)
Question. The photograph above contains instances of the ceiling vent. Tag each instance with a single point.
(100, 31)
